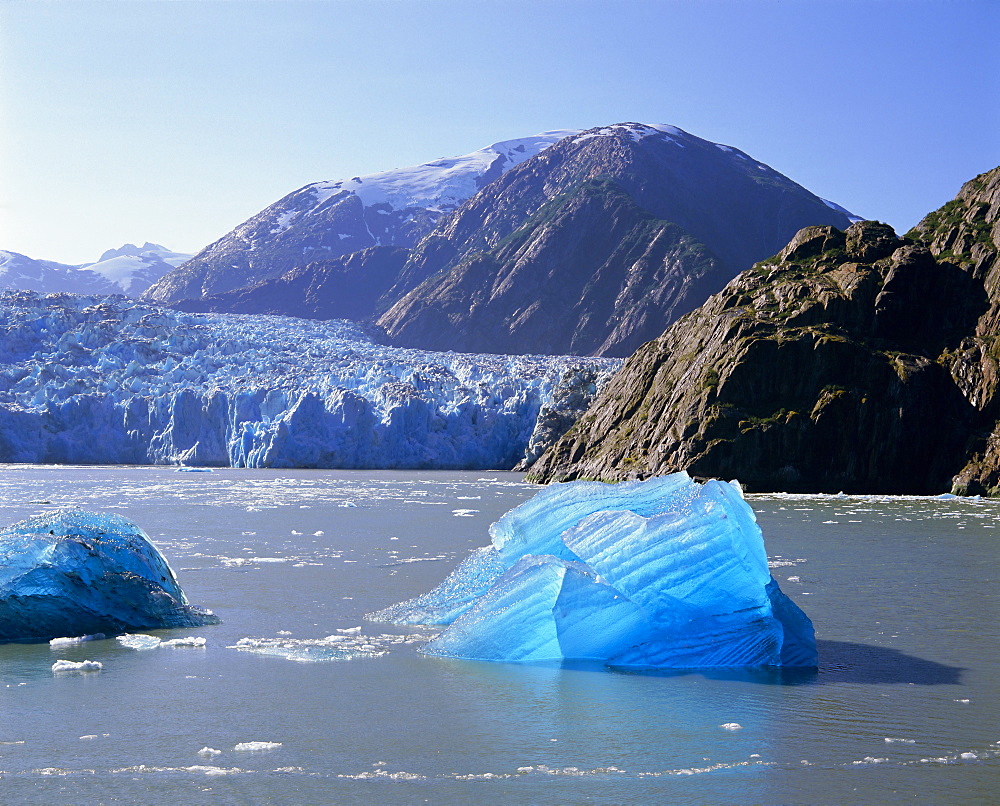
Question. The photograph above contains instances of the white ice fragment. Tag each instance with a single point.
(190, 641)
(209, 752)
(347, 505)
(254, 747)
(731, 726)
(80, 639)
(75, 666)
(138, 641)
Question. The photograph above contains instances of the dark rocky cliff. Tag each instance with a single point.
(852, 361)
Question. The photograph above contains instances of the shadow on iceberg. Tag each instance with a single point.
(72, 573)
(658, 574)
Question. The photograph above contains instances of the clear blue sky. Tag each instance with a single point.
(174, 120)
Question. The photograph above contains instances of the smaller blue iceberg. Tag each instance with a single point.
(70, 573)
(659, 574)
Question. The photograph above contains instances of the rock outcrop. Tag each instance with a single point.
(854, 361)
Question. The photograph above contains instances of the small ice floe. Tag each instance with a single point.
(731, 726)
(793, 579)
(464, 513)
(891, 740)
(256, 747)
(79, 639)
(350, 630)
(138, 641)
(191, 642)
(319, 533)
(469, 497)
(963, 701)
(77, 666)
(347, 505)
(209, 752)
(187, 469)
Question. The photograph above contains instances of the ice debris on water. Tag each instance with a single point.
(70, 572)
(55, 643)
(138, 641)
(77, 666)
(664, 573)
(256, 747)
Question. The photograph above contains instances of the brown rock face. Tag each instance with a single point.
(852, 361)
(966, 233)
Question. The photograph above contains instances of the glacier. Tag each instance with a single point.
(666, 573)
(71, 572)
(109, 380)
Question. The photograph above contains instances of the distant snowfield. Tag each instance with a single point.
(107, 380)
(129, 270)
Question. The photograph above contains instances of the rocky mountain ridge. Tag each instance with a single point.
(590, 246)
(328, 220)
(852, 361)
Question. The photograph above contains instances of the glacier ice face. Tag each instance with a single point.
(80, 573)
(658, 574)
(95, 380)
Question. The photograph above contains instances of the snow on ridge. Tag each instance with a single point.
(443, 184)
(834, 206)
(637, 131)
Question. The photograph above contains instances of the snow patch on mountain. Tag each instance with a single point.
(443, 184)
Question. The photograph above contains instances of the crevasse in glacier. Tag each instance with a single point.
(658, 574)
(106, 380)
(79, 573)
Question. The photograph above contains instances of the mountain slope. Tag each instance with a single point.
(545, 228)
(819, 370)
(327, 220)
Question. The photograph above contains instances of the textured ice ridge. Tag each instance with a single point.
(658, 574)
(108, 380)
(79, 573)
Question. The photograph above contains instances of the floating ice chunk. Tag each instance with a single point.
(190, 642)
(138, 641)
(731, 726)
(256, 747)
(77, 666)
(80, 639)
(347, 505)
(209, 752)
(665, 573)
(70, 573)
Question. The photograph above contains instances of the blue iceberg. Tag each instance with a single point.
(659, 574)
(80, 573)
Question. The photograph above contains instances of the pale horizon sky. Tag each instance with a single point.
(173, 121)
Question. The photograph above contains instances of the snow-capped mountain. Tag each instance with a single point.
(128, 270)
(21, 272)
(133, 268)
(87, 379)
(326, 220)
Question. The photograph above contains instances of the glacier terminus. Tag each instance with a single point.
(107, 380)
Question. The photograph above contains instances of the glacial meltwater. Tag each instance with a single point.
(296, 698)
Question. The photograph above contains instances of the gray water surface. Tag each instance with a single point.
(903, 709)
